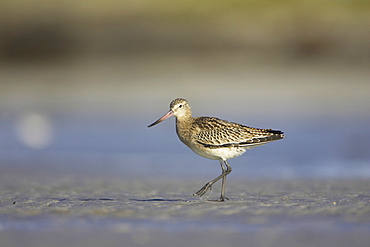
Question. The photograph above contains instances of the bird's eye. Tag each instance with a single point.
(180, 106)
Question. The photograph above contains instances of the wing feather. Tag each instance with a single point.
(214, 132)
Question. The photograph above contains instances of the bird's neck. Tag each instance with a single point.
(184, 122)
(183, 126)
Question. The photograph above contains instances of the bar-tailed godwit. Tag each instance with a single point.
(216, 139)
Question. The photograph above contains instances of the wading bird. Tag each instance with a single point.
(216, 139)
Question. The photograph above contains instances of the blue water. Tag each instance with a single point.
(337, 147)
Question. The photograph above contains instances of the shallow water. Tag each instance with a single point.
(92, 114)
(336, 150)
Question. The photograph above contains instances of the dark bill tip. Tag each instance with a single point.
(167, 115)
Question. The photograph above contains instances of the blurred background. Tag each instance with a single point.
(80, 81)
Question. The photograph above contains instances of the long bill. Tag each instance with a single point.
(167, 115)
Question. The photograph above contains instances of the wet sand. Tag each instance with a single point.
(72, 210)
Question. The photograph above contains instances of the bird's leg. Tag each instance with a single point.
(207, 186)
(225, 171)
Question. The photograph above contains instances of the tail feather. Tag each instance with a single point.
(276, 132)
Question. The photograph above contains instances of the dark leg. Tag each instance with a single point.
(226, 169)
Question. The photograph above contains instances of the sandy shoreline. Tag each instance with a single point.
(333, 212)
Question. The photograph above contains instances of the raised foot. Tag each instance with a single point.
(203, 190)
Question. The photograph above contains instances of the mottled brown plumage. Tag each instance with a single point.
(215, 138)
